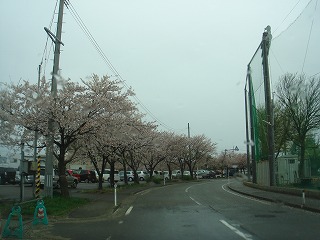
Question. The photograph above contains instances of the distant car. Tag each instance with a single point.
(201, 173)
(219, 174)
(29, 179)
(176, 173)
(88, 176)
(55, 177)
(74, 173)
(72, 181)
(130, 176)
(97, 176)
(106, 175)
(7, 175)
(160, 174)
(143, 175)
(209, 174)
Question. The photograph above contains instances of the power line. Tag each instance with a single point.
(45, 55)
(84, 28)
(305, 56)
(287, 16)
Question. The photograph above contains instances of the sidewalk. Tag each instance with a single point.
(287, 198)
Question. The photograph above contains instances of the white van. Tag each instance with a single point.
(106, 175)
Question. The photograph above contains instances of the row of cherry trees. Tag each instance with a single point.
(97, 119)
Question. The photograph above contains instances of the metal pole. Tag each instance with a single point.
(22, 173)
(252, 134)
(247, 133)
(50, 140)
(266, 42)
(115, 195)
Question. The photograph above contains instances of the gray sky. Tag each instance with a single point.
(185, 59)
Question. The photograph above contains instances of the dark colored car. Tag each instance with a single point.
(88, 176)
(7, 175)
(210, 174)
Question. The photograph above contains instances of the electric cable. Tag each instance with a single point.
(84, 28)
(309, 37)
(46, 54)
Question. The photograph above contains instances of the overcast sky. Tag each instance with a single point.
(185, 59)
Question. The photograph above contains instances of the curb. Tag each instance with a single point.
(294, 205)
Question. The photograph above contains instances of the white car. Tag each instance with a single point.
(143, 175)
(130, 176)
(106, 175)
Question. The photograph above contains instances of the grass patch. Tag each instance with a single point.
(56, 206)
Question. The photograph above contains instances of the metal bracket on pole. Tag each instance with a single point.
(53, 37)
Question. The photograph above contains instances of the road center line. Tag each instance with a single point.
(129, 210)
(241, 234)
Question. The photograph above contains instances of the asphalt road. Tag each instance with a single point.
(205, 210)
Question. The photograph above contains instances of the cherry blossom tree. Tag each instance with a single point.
(75, 112)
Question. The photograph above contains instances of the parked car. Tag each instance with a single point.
(7, 175)
(88, 176)
(143, 175)
(219, 174)
(209, 174)
(176, 173)
(160, 174)
(200, 173)
(97, 176)
(55, 178)
(75, 173)
(106, 175)
(186, 173)
(29, 179)
(130, 176)
(72, 181)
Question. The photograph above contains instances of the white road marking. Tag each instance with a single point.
(145, 192)
(241, 234)
(195, 201)
(239, 195)
(129, 210)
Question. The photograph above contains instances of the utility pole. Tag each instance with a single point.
(265, 45)
(50, 140)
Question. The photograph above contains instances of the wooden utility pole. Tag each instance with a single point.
(50, 140)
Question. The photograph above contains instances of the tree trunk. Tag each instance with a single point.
(62, 179)
(302, 160)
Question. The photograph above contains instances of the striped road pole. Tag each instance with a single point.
(38, 178)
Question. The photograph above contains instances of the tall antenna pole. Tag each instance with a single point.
(50, 141)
